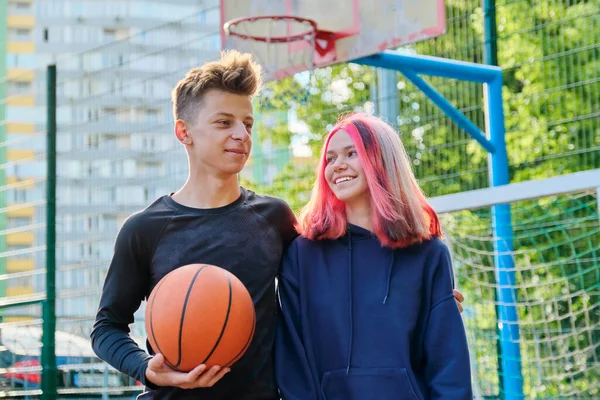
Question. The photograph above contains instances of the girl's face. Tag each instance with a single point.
(343, 170)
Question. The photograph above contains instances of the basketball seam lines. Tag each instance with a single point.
(187, 297)
(151, 319)
(247, 345)
(225, 323)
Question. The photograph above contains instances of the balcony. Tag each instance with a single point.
(20, 239)
(20, 127)
(19, 210)
(20, 47)
(19, 290)
(20, 100)
(20, 21)
(23, 74)
(19, 265)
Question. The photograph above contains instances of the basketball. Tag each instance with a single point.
(200, 314)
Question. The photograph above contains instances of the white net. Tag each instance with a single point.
(557, 294)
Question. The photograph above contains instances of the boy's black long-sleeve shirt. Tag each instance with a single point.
(246, 237)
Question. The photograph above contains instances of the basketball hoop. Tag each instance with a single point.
(280, 40)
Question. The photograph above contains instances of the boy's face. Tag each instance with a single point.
(219, 138)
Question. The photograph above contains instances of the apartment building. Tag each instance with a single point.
(117, 61)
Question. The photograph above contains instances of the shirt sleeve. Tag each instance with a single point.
(279, 215)
(125, 287)
(287, 228)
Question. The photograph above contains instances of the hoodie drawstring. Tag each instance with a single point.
(350, 317)
(350, 303)
(389, 279)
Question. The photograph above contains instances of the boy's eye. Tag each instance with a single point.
(223, 122)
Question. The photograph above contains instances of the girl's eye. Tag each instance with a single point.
(352, 153)
(330, 160)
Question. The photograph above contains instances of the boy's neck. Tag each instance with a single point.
(208, 191)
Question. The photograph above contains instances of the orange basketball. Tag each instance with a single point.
(200, 314)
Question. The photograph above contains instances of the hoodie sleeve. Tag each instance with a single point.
(295, 378)
(447, 367)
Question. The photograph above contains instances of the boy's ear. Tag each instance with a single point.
(182, 132)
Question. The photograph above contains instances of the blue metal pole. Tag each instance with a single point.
(388, 102)
(490, 56)
(459, 118)
(433, 66)
(508, 323)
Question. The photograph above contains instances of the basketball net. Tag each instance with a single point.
(282, 45)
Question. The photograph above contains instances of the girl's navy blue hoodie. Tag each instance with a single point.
(360, 321)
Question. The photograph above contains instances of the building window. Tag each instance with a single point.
(152, 115)
(91, 223)
(51, 8)
(18, 222)
(17, 196)
(148, 143)
(18, 87)
(19, 34)
(92, 141)
(20, 60)
(113, 34)
(92, 114)
(149, 88)
(109, 114)
(19, 7)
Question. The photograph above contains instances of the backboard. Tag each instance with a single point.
(325, 31)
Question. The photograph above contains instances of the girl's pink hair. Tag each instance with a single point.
(401, 214)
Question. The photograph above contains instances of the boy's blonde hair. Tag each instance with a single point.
(234, 73)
